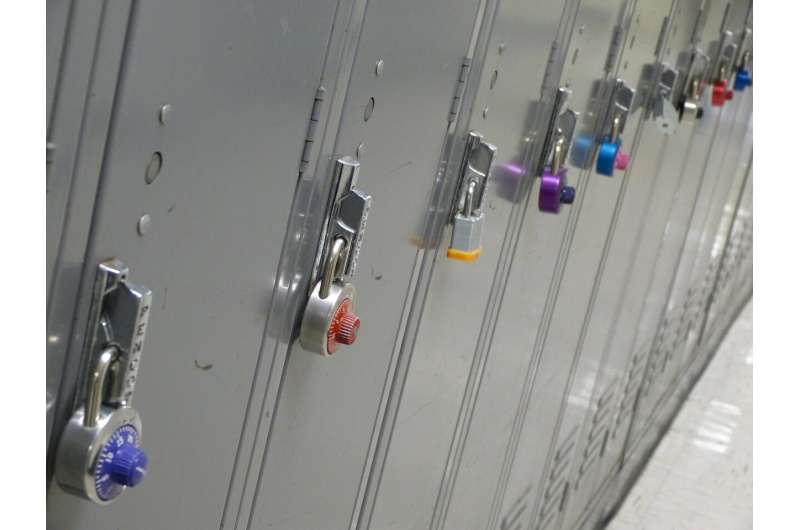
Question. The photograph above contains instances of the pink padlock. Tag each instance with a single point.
(621, 160)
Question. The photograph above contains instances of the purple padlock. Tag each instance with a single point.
(554, 191)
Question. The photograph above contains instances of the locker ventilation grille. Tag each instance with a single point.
(513, 519)
(599, 431)
(555, 494)
(633, 380)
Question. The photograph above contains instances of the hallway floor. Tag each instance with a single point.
(701, 476)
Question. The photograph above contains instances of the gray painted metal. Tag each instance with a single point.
(544, 250)
(737, 248)
(550, 456)
(219, 210)
(735, 163)
(598, 389)
(443, 378)
(628, 351)
(726, 150)
(531, 385)
(327, 417)
(84, 62)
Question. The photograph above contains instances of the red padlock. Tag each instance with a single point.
(720, 93)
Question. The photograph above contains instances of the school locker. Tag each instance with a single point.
(210, 111)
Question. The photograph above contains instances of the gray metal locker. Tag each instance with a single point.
(592, 59)
(326, 417)
(596, 390)
(194, 199)
(439, 383)
(548, 254)
(736, 254)
(727, 144)
(550, 456)
(675, 315)
(736, 163)
(84, 51)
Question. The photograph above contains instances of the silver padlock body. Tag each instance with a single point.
(690, 108)
(80, 446)
(319, 314)
(467, 232)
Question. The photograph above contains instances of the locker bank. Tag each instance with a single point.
(376, 264)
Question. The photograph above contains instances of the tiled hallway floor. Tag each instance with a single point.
(701, 476)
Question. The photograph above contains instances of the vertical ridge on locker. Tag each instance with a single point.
(473, 386)
(421, 265)
(466, 87)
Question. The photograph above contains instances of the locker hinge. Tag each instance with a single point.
(552, 64)
(466, 64)
(311, 131)
(50, 151)
(613, 48)
(662, 36)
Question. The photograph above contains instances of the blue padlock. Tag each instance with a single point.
(607, 156)
(742, 80)
(581, 152)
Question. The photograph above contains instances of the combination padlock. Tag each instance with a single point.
(743, 79)
(719, 88)
(99, 454)
(610, 156)
(553, 189)
(720, 93)
(329, 319)
(468, 218)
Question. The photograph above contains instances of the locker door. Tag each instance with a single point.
(622, 283)
(84, 51)
(215, 177)
(738, 283)
(643, 431)
(627, 364)
(544, 248)
(735, 163)
(544, 460)
(396, 121)
(443, 378)
(735, 254)
(728, 143)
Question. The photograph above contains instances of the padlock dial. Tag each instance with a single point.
(120, 464)
(344, 326)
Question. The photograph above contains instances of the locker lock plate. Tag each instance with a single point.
(99, 454)
(468, 217)
(329, 319)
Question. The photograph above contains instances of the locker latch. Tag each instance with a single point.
(99, 454)
(328, 319)
(689, 104)
(661, 109)
(610, 155)
(468, 217)
(553, 188)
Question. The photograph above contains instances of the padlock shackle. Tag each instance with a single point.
(559, 153)
(331, 266)
(94, 391)
(469, 198)
(615, 124)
